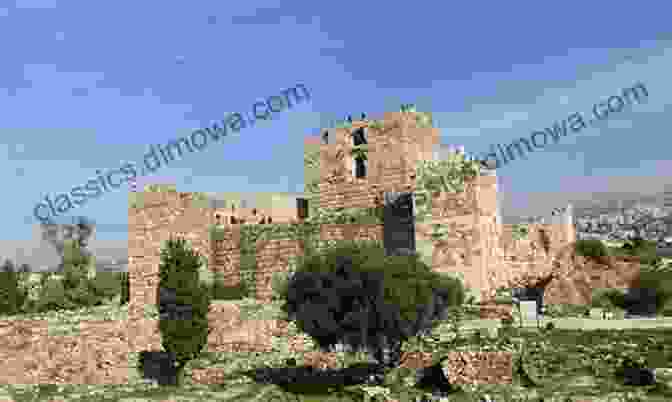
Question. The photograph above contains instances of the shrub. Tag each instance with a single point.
(634, 244)
(79, 290)
(31, 285)
(83, 295)
(125, 289)
(608, 298)
(105, 286)
(183, 302)
(279, 284)
(12, 297)
(647, 253)
(219, 291)
(667, 310)
(659, 279)
(74, 270)
(53, 295)
(644, 249)
(223, 292)
(353, 293)
(455, 291)
(616, 297)
(591, 248)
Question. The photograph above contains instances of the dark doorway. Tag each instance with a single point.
(398, 223)
(159, 366)
(360, 168)
(302, 208)
(640, 302)
(531, 294)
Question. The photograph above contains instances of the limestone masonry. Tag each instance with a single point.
(479, 248)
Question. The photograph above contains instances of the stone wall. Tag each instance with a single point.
(30, 355)
(543, 251)
(351, 232)
(276, 255)
(273, 256)
(161, 215)
(469, 249)
(458, 252)
(576, 287)
(225, 255)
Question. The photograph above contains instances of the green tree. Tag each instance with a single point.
(53, 296)
(125, 288)
(183, 302)
(75, 269)
(355, 294)
(11, 295)
(591, 248)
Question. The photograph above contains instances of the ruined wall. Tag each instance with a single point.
(577, 286)
(225, 255)
(151, 224)
(480, 249)
(273, 256)
(98, 354)
(467, 249)
(528, 259)
(160, 214)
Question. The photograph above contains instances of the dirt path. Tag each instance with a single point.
(580, 323)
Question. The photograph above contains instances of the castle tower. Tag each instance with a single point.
(349, 182)
(394, 150)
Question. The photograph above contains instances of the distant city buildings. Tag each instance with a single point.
(618, 224)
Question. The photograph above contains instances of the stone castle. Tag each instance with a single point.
(478, 247)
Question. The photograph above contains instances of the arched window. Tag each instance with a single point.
(360, 167)
(359, 136)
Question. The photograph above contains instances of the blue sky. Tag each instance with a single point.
(85, 85)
